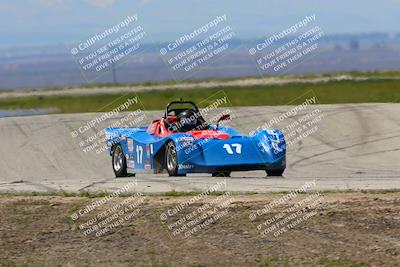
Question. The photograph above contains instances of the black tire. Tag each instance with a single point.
(118, 162)
(171, 160)
(221, 174)
(275, 172)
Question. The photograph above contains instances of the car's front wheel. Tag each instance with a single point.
(171, 159)
(119, 162)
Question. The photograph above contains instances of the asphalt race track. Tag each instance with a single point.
(356, 146)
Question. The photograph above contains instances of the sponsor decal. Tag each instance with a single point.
(185, 139)
(123, 137)
(147, 151)
(185, 166)
(147, 165)
(131, 164)
(127, 156)
(130, 145)
(116, 134)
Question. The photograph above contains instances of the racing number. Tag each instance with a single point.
(274, 142)
(229, 150)
(139, 154)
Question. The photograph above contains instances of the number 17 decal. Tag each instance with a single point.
(229, 148)
(139, 154)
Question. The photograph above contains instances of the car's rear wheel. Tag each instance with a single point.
(221, 174)
(119, 162)
(274, 172)
(171, 159)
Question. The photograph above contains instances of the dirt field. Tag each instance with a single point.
(337, 229)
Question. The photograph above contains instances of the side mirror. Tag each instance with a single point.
(224, 117)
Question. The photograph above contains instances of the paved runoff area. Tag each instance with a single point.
(348, 147)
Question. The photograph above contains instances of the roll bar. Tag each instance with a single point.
(179, 102)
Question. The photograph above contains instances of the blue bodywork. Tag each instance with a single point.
(262, 150)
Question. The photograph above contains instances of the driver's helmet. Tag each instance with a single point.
(187, 120)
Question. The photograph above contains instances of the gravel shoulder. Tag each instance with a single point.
(348, 229)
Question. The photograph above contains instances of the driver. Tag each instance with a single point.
(188, 120)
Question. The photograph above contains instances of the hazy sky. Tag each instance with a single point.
(26, 22)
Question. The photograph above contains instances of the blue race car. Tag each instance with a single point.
(183, 142)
